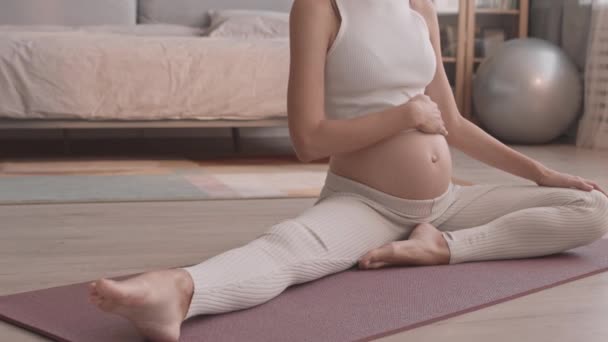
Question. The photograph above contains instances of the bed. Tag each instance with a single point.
(71, 79)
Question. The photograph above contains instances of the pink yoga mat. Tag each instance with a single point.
(349, 306)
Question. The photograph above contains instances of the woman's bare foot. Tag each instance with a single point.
(155, 302)
(425, 246)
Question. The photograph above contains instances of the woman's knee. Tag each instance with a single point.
(597, 215)
(600, 202)
(292, 241)
(299, 253)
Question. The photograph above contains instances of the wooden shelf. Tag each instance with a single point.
(448, 12)
(455, 17)
(521, 14)
(496, 11)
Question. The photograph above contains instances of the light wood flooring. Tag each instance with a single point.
(50, 245)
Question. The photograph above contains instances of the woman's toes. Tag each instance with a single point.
(377, 265)
(385, 253)
(92, 289)
(94, 296)
(378, 257)
(107, 287)
(113, 290)
(108, 294)
(365, 261)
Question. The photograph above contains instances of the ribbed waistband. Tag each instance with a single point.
(336, 184)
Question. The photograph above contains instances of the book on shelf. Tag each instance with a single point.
(449, 40)
(488, 40)
(492, 40)
(497, 4)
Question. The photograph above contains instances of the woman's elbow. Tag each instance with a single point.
(305, 142)
(307, 145)
(305, 158)
(304, 150)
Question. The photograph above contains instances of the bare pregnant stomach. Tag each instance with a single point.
(411, 165)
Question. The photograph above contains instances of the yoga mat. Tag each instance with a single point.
(353, 305)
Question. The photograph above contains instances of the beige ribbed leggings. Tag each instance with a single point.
(480, 222)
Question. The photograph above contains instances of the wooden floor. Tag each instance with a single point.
(51, 245)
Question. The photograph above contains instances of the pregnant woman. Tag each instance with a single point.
(367, 88)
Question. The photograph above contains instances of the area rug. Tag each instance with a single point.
(81, 181)
(352, 305)
(128, 180)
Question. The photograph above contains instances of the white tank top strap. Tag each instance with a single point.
(343, 25)
(422, 20)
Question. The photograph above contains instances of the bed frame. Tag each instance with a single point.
(65, 125)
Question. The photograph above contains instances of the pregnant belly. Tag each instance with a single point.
(411, 165)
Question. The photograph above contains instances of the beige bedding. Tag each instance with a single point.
(97, 76)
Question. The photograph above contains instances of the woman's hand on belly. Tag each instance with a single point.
(426, 115)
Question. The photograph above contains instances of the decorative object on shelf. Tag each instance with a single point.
(478, 42)
(520, 97)
(493, 38)
(449, 40)
(488, 38)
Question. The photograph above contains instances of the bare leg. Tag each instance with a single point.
(155, 302)
(425, 246)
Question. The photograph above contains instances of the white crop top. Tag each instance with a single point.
(381, 57)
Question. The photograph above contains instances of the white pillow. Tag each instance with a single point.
(145, 30)
(217, 16)
(248, 24)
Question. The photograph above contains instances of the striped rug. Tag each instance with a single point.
(98, 180)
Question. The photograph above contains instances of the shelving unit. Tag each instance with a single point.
(517, 18)
(496, 11)
(455, 64)
(462, 63)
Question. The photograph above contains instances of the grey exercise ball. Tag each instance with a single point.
(528, 91)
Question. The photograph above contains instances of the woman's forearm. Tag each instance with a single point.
(330, 137)
(478, 144)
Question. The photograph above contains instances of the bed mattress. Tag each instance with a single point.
(102, 76)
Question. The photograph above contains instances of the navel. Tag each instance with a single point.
(434, 158)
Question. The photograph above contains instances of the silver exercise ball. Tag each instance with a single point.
(528, 91)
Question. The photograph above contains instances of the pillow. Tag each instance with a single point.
(217, 16)
(250, 27)
(248, 24)
(145, 30)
